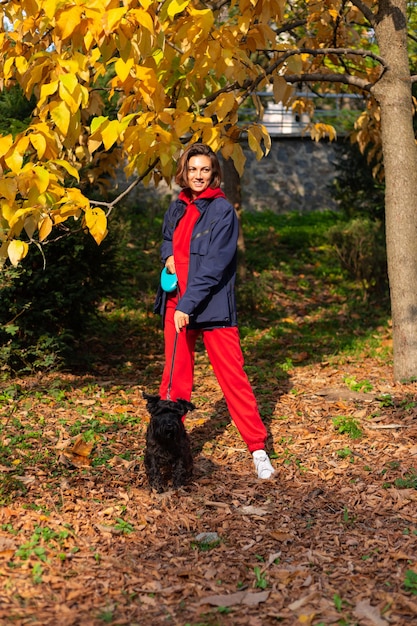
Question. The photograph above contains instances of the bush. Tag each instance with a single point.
(355, 189)
(360, 246)
(47, 303)
(360, 243)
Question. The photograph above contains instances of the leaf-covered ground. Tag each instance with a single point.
(332, 539)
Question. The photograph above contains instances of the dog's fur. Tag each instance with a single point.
(168, 451)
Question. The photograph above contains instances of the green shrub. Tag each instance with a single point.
(355, 189)
(47, 302)
(360, 247)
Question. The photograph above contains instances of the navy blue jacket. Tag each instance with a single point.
(209, 298)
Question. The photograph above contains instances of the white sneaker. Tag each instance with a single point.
(262, 464)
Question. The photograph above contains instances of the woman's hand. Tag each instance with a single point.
(180, 320)
(170, 264)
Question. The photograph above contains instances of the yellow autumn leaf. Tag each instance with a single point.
(17, 219)
(113, 17)
(8, 188)
(295, 64)
(38, 141)
(254, 142)
(176, 6)
(47, 89)
(44, 227)
(69, 20)
(334, 13)
(61, 115)
(320, 131)
(266, 138)
(203, 19)
(221, 106)
(21, 64)
(14, 161)
(97, 122)
(50, 7)
(110, 134)
(40, 178)
(182, 123)
(71, 99)
(76, 198)
(239, 159)
(68, 167)
(30, 225)
(5, 144)
(280, 89)
(16, 251)
(7, 67)
(96, 221)
(123, 68)
(143, 18)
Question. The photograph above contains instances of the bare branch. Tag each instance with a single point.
(290, 26)
(110, 205)
(346, 79)
(338, 52)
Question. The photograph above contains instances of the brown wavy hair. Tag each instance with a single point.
(198, 149)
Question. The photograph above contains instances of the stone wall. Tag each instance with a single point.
(295, 176)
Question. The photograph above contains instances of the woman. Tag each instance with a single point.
(200, 234)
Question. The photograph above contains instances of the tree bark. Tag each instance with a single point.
(394, 95)
(233, 191)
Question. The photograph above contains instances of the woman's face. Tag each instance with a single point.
(199, 173)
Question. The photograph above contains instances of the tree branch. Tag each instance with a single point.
(110, 205)
(338, 52)
(250, 85)
(345, 79)
(365, 10)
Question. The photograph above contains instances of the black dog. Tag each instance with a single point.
(168, 452)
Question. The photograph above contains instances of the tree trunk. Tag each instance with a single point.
(393, 93)
(233, 191)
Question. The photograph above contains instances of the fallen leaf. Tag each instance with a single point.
(294, 606)
(281, 536)
(365, 610)
(81, 447)
(240, 597)
(252, 510)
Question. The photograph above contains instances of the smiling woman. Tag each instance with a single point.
(199, 245)
(199, 173)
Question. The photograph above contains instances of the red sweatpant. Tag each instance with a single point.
(225, 354)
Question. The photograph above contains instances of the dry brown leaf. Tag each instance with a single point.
(364, 610)
(252, 510)
(81, 447)
(247, 598)
(294, 606)
(281, 536)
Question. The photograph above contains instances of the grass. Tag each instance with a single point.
(347, 425)
(296, 306)
(295, 295)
